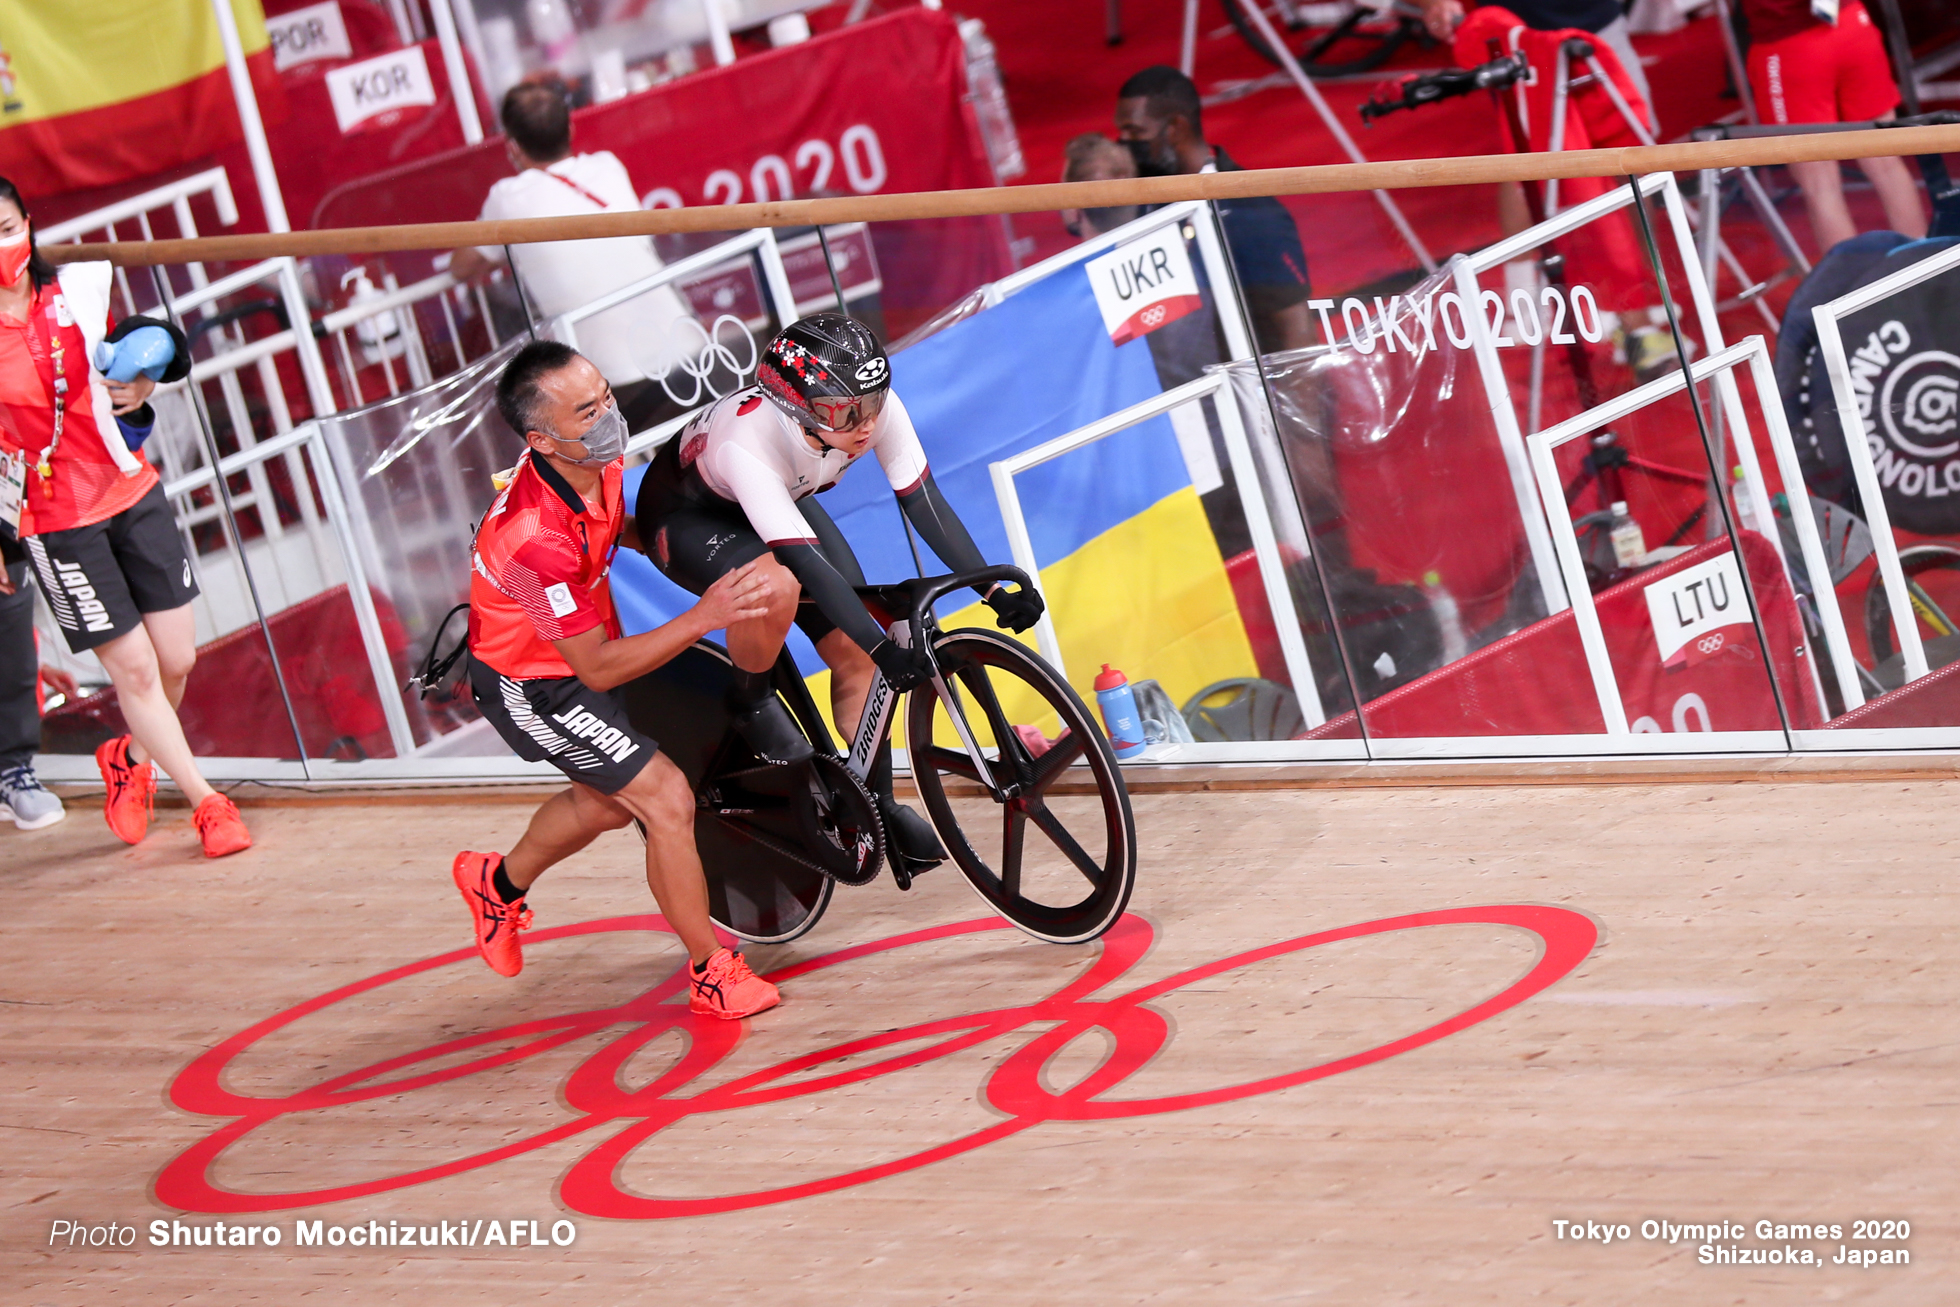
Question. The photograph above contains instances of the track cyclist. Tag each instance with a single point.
(547, 658)
(737, 488)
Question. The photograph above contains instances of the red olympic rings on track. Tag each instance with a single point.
(593, 1090)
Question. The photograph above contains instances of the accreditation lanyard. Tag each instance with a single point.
(560, 177)
(57, 317)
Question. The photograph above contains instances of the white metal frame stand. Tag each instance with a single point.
(1755, 354)
(1830, 340)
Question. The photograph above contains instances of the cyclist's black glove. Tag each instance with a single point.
(904, 668)
(1016, 610)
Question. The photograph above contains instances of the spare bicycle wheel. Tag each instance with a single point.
(1056, 859)
(1933, 571)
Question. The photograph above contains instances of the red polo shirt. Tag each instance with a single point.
(538, 570)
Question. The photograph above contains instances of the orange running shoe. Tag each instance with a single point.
(132, 790)
(220, 827)
(494, 921)
(727, 988)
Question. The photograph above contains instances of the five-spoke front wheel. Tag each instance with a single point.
(1059, 865)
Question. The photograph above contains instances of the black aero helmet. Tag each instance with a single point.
(827, 371)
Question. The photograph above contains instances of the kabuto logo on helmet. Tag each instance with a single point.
(873, 373)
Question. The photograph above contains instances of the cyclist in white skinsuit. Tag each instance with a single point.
(740, 482)
(749, 451)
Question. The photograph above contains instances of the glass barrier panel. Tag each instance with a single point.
(415, 474)
(931, 272)
(1413, 507)
(1870, 348)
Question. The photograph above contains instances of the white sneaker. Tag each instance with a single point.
(24, 799)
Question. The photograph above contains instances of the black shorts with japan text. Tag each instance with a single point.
(560, 720)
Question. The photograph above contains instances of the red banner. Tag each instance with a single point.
(875, 107)
(1536, 682)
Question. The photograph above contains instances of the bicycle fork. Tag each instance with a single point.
(875, 723)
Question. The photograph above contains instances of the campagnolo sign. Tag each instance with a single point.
(1909, 401)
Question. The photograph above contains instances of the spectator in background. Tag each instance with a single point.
(1805, 70)
(632, 344)
(1159, 118)
(104, 543)
(22, 796)
(1093, 157)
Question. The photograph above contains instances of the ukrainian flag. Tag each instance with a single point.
(1128, 563)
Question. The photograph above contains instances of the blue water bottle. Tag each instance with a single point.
(1119, 710)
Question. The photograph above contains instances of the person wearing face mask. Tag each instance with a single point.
(93, 520)
(737, 487)
(547, 658)
(1159, 117)
(632, 344)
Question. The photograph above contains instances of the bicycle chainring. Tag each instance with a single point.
(843, 832)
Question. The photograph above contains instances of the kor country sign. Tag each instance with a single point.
(690, 1086)
(374, 93)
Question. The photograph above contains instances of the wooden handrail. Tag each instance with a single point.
(1392, 174)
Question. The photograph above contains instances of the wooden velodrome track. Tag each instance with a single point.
(1691, 1003)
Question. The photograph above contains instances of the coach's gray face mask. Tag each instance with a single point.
(604, 440)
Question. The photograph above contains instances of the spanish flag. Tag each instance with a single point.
(94, 92)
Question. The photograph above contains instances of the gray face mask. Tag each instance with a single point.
(604, 440)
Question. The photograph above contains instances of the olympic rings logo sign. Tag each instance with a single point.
(593, 1090)
(711, 356)
(1709, 644)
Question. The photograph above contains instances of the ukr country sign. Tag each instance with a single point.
(375, 92)
(1143, 285)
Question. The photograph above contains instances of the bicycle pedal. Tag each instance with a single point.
(905, 870)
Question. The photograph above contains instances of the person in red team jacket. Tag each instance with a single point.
(547, 660)
(92, 517)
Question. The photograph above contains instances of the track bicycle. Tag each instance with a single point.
(1362, 37)
(775, 841)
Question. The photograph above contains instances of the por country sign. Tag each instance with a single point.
(1143, 285)
(1696, 610)
(373, 93)
(302, 36)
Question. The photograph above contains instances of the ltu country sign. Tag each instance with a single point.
(1698, 611)
(1143, 285)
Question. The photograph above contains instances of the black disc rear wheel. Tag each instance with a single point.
(1048, 845)
(750, 824)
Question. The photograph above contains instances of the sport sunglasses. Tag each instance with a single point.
(842, 412)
